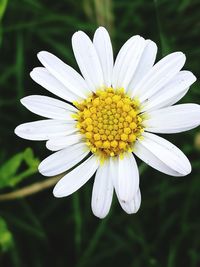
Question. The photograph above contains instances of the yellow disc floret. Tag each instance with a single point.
(110, 122)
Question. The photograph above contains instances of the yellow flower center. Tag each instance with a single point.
(110, 122)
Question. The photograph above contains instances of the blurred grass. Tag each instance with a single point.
(63, 232)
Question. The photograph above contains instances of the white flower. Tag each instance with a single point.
(117, 108)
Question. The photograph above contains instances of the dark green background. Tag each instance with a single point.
(40, 230)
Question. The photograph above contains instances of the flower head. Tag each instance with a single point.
(111, 114)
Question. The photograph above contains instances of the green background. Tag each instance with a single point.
(39, 230)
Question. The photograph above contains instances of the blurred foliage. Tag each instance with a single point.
(3, 4)
(44, 231)
(6, 239)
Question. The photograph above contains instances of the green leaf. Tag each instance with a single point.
(10, 175)
(3, 5)
(29, 158)
(10, 167)
(6, 238)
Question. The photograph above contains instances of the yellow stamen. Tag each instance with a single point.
(110, 121)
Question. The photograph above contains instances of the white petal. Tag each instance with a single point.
(76, 178)
(133, 205)
(102, 192)
(146, 62)
(88, 60)
(104, 50)
(45, 129)
(171, 92)
(159, 75)
(149, 158)
(127, 61)
(176, 98)
(173, 119)
(71, 79)
(43, 77)
(49, 107)
(126, 182)
(63, 160)
(162, 155)
(58, 143)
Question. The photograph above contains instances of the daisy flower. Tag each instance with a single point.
(110, 115)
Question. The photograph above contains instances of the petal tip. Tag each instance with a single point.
(183, 56)
(44, 170)
(101, 28)
(178, 55)
(48, 145)
(194, 77)
(31, 73)
(39, 54)
(24, 100)
(42, 54)
(99, 214)
(17, 131)
(78, 34)
(34, 72)
(21, 132)
(56, 192)
(41, 169)
(189, 170)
